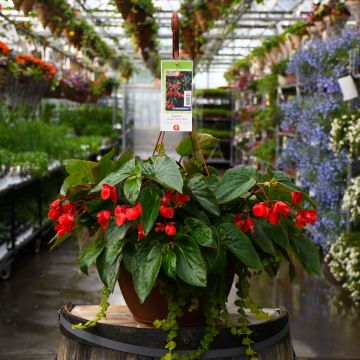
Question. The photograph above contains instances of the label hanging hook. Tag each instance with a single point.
(175, 38)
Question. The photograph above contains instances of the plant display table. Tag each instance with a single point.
(120, 337)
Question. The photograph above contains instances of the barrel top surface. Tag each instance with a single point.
(120, 315)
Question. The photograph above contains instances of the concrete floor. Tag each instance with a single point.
(322, 325)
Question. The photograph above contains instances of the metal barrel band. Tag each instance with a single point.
(147, 351)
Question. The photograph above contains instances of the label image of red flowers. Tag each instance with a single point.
(178, 91)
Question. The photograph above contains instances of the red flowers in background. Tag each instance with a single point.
(168, 228)
(167, 212)
(64, 214)
(109, 191)
(305, 217)
(4, 48)
(30, 60)
(124, 213)
(261, 210)
(296, 198)
(103, 218)
(278, 208)
(244, 225)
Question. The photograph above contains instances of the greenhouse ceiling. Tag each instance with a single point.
(230, 39)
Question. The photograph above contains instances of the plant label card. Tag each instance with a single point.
(176, 95)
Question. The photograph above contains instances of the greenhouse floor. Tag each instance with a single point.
(323, 326)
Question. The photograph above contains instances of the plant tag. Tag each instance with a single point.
(176, 95)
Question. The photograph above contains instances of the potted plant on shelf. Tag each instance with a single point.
(174, 233)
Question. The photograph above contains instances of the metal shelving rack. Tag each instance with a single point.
(225, 145)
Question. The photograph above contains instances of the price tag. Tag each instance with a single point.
(176, 95)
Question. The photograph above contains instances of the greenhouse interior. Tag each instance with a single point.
(158, 156)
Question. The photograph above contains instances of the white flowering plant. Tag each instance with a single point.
(351, 199)
(344, 262)
(345, 134)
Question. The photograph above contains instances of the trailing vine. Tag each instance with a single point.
(104, 304)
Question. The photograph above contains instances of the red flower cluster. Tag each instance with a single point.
(4, 48)
(244, 225)
(103, 218)
(169, 202)
(64, 214)
(305, 217)
(109, 192)
(169, 228)
(29, 60)
(280, 208)
(124, 213)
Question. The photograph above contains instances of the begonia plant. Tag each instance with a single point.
(181, 227)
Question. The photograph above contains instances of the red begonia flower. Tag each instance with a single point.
(170, 229)
(103, 218)
(109, 192)
(305, 217)
(167, 198)
(167, 212)
(141, 232)
(120, 216)
(296, 197)
(261, 210)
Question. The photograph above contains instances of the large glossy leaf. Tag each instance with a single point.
(203, 195)
(117, 176)
(235, 183)
(108, 272)
(278, 234)
(239, 244)
(215, 259)
(104, 167)
(132, 188)
(150, 202)
(75, 166)
(91, 252)
(305, 252)
(200, 232)
(169, 263)
(190, 265)
(165, 171)
(262, 237)
(206, 141)
(80, 171)
(146, 267)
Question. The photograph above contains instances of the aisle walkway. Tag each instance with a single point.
(40, 284)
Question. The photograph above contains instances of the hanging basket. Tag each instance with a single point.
(44, 12)
(335, 26)
(214, 8)
(189, 42)
(354, 8)
(201, 19)
(27, 5)
(124, 7)
(295, 40)
(143, 36)
(284, 50)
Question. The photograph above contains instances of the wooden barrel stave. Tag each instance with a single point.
(124, 330)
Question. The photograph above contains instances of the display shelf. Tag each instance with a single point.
(219, 102)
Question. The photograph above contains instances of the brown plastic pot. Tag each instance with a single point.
(155, 306)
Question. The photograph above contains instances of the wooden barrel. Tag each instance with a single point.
(120, 337)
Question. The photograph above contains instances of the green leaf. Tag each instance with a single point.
(117, 176)
(104, 167)
(169, 264)
(216, 259)
(203, 195)
(200, 232)
(278, 234)
(132, 188)
(206, 141)
(235, 183)
(213, 182)
(165, 171)
(80, 172)
(146, 267)
(75, 166)
(190, 265)
(57, 240)
(108, 273)
(305, 252)
(123, 159)
(286, 183)
(150, 202)
(239, 244)
(262, 238)
(89, 255)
